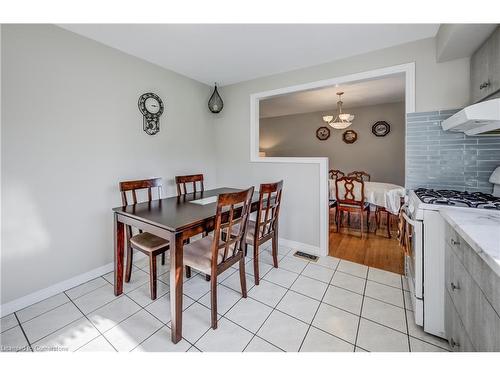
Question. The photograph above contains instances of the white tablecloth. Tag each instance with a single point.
(379, 194)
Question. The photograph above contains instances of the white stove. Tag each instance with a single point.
(424, 263)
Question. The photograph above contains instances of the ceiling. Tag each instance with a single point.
(231, 53)
(390, 89)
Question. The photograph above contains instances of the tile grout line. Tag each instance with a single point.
(317, 309)
(22, 330)
(361, 311)
(273, 309)
(55, 307)
(287, 290)
(93, 325)
(406, 317)
(198, 301)
(224, 315)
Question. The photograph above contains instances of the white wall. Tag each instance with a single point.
(71, 130)
(438, 86)
(382, 157)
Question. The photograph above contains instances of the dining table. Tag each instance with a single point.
(175, 219)
(379, 194)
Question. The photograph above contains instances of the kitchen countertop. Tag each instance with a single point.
(481, 230)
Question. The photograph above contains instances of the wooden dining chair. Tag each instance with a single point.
(215, 254)
(147, 243)
(196, 181)
(378, 213)
(265, 226)
(333, 174)
(360, 174)
(351, 199)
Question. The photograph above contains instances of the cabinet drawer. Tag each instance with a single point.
(455, 331)
(456, 243)
(478, 317)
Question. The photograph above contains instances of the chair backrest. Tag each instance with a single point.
(133, 186)
(333, 174)
(181, 182)
(231, 220)
(350, 190)
(269, 208)
(360, 174)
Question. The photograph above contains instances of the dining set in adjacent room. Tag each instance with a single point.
(206, 231)
(354, 192)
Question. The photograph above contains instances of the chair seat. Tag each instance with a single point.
(365, 205)
(198, 254)
(148, 242)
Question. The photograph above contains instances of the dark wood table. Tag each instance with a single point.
(175, 219)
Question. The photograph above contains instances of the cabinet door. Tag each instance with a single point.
(485, 68)
(494, 66)
(477, 316)
(455, 331)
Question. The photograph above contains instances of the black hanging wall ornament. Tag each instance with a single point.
(215, 103)
(151, 108)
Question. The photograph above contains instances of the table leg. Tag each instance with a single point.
(119, 235)
(176, 284)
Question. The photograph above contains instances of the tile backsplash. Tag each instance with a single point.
(447, 160)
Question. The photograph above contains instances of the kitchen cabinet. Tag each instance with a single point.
(472, 317)
(485, 68)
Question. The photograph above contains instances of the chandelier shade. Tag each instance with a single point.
(342, 120)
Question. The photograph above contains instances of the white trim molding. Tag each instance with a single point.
(30, 299)
(407, 69)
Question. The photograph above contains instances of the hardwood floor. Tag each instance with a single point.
(374, 250)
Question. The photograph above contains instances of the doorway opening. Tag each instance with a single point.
(299, 123)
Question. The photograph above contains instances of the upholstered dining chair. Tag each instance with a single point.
(360, 174)
(196, 181)
(265, 226)
(147, 243)
(350, 193)
(213, 255)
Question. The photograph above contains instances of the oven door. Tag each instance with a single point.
(414, 255)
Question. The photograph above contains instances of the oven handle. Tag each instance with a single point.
(407, 234)
(413, 223)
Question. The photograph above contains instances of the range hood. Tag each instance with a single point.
(477, 119)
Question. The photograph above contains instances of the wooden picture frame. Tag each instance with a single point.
(323, 133)
(349, 136)
(381, 128)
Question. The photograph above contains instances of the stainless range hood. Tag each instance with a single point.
(477, 119)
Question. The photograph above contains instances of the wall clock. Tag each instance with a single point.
(381, 128)
(350, 136)
(151, 108)
(323, 133)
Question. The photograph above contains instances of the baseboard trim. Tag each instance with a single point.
(314, 250)
(21, 303)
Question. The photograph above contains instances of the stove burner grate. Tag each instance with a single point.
(458, 198)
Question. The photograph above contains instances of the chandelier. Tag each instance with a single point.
(342, 120)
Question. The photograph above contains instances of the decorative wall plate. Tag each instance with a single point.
(151, 108)
(323, 133)
(381, 128)
(350, 136)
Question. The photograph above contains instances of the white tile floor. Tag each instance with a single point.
(329, 305)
